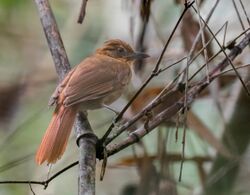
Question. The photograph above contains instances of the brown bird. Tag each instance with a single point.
(96, 82)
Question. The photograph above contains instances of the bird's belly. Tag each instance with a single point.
(98, 103)
(91, 104)
(112, 97)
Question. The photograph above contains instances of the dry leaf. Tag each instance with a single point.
(145, 98)
(149, 95)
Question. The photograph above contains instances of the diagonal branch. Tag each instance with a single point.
(86, 184)
(172, 110)
(227, 56)
(82, 12)
(154, 73)
(53, 37)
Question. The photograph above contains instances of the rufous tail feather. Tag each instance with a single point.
(57, 134)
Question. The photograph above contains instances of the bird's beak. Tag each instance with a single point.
(137, 56)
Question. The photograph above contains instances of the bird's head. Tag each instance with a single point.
(118, 49)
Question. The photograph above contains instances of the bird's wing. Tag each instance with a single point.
(55, 96)
(94, 78)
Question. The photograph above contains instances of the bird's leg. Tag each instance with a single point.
(111, 109)
(49, 170)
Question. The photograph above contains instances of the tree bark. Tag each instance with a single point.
(87, 154)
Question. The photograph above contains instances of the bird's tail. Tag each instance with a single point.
(57, 134)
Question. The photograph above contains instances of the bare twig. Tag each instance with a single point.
(139, 133)
(225, 33)
(227, 56)
(82, 11)
(146, 110)
(62, 67)
(243, 7)
(231, 69)
(141, 114)
(211, 58)
(32, 191)
(140, 46)
(238, 15)
(166, 114)
(153, 74)
(172, 110)
(203, 39)
(87, 160)
(53, 38)
(235, 51)
(15, 162)
(153, 105)
(43, 183)
(197, 38)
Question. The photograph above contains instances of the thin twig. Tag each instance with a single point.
(62, 67)
(211, 58)
(156, 102)
(153, 74)
(231, 69)
(243, 7)
(53, 38)
(225, 33)
(238, 14)
(223, 50)
(132, 138)
(15, 162)
(197, 38)
(140, 46)
(32, 191)
(235, 51)
(138, 116)
(139, 133)
(82, 12)
(171, 65)
(208, 42)
(203, 40)
(43, 183)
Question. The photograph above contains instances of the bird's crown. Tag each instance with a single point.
(119, 49)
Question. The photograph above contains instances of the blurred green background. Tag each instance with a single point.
(28, 76)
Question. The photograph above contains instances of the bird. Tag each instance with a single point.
(96, 82)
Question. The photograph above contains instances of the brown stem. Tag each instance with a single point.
(82, 12)
(53, 37)
(82, 125)
(172, 110)
(154, 73)
(87, 157)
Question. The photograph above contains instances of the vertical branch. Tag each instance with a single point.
(86, 143)
(87, 154)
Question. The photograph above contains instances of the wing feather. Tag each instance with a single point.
(93, 79)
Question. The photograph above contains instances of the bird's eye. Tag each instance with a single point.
(120, 49)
